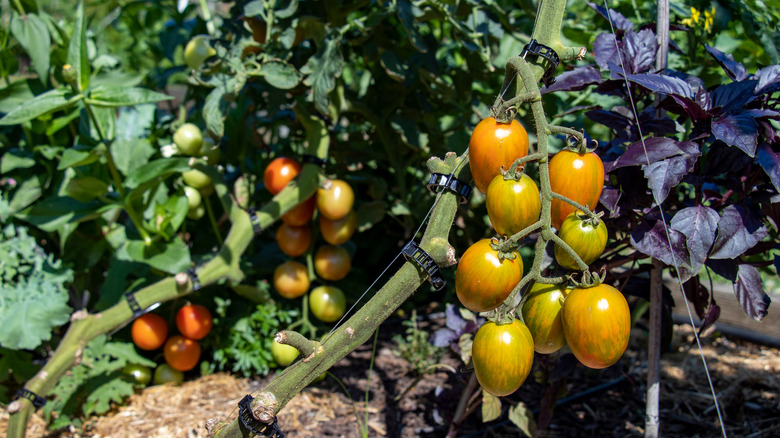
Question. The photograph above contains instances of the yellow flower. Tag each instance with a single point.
(694, 18)
(709, 17)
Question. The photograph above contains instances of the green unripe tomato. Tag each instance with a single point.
(196, 179)
(189, 139)
(193, 197)
(210, 151)
(167, 374)
(198, 50)
(138, 374)
(327, 303)
(197, 212)
(283, 354)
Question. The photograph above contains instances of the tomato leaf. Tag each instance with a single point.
(738, 231)
(156, 169)
(171, 257)
(280, 74)
(699, 225)
(491, 407)
(734, 69)
(33, 35)
(740, 130)
(406, 16)
(769, 160)
(370, 214)
(215, 110)
(523, 418)
(321, 71)
(749, 289)
(653, 242)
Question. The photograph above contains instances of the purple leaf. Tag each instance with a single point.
(749, 290)
(605, 50)
(738, 231)
(618, 20)
(737, 130)
(726, 268)
(454, 321)
(712, 315)
(639, 50)
(652, 150)
(770, 162)
(663, 84)
(654, 242)
(575, 80)
(768, 79)
(734, 95)
(443, 337)
(662, 176)
(699, 225)
(611, 119)
(698, 295)
(609, 199)
(734, 69)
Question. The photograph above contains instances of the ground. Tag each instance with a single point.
(591, 403)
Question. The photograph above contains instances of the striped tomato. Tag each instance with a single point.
(542, 315)
(493, 145)
(512, 204)
(502, 355)
(482, 280)
(579, 177)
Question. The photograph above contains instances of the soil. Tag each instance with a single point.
(605, 403)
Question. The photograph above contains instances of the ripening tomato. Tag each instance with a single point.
(291, 279)
(181, 353)
(586, 237)
(279, 172)
(327, 303)
(579, 177)
(198, 50)
(493, 145)
(301, 214)
(149, 331)
(542, 316)
(597, 323)
(188, 139)
(338, 231)
(194, 321)
(293, 241)
(332, 262)
(283, 354)
(513, 205)
(482, 281)
(137, 374)
(503, 356)
(164, 373)
(335, 199)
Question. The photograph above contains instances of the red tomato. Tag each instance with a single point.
(301, 214)
(503, 356)
(149, 331)
(579, 177)
(194, 321)
(338, 231)
(291, 279)
(482, 281)
(332, 262)
(586, 238)
(542, 315)
(181, 353)
(293, 241)
(597, 324)
(513, 205)
(493, 145)
(279, 172)
(335, 199)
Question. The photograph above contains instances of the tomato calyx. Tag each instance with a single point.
(503, 114)
(590, 279)
(580, 145)
(507, 249)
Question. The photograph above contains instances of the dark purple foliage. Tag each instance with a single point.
(749, 290)
(699, 225)
(669, 248)
(663, 175)
(726, 268)
(769, 160)
(618, 20)
(575, 80)
(734, 69)
(703, 302)
(738, 231)
(768, 79)
(650, 151)
(455, 327)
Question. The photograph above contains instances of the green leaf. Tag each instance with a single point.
(280, 74)
(16, 159)
(33, 294)
(214, 111)
(79, 155)
(156, 169)
(171, 257)
(60, 122)
(254, 8)
(86, 188)
(369, 214)
(115, 283)
(491, 407)
(16, 365)
(130, 155)
(523, 418)
(77, 50)
(394, 67)
(321, 71)
(28, 192)
(33, 35)
(116, 96)
(14, 95)
(288, 10)
(51, 213)
(41, 104)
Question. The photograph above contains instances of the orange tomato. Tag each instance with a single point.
(339, 231)
(493, 145)
(301, 214)
(335, 199)
(291, 279)
(194, 321)
(279, 173)
(293, 241)
(181, 353)
(579, 177)
(332, 262)
(149, 331)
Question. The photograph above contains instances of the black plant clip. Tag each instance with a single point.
(256, 228)
(252, 424)
(413, 252)
(440, 181)
(194, 278)
(313, 159)
(540, 50)
(34, 398)
(133, 303)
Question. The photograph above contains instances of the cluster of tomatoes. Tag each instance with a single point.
(182, 352)
(189, 141)
(331, 261)
(594, 321)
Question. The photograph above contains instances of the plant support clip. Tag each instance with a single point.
(34, 398)
(440, 181)
(256, 228)
(413, 252)
(541, 51)
(194, 278)
(252, 424)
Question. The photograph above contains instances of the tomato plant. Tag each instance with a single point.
(193, 197)
(586, 236)
(197, 179)
(181, 353)
(149, 331)
(188, 139)
(301, 214)
(279, 172)
(542, 315)
(293, 241)
(291, 279)
(503, 356)
(332, 262)
(597, 323)
(327, 303)
(494, 145)
(335, 199)
(483, 280)
(579, 177)
(138, 374)
(198, 50)
(194, 321)
(337, 232)
(283, 354)
(165, 373)
(512, 205)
